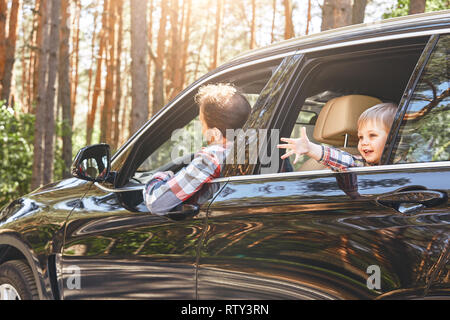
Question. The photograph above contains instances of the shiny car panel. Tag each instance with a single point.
(317, 235)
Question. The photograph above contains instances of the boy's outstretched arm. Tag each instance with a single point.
(335, 159)
(300, 146)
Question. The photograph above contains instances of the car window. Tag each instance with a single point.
(424, 134)
(164, 153)
(177, 135)
(376, 74)
(182, 142)
(169, 141)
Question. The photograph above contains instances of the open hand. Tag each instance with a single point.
(298, 146)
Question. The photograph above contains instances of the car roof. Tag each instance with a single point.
(406, 24)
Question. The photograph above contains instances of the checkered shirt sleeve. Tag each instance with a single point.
(205, 166)
(338, 160)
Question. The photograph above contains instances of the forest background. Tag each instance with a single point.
(78, 72)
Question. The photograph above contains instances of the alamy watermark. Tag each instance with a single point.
(250, 146)
(374, 280)
(73, 281)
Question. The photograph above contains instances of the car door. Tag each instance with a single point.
(115, 248)
(422, 146)
(371, 232)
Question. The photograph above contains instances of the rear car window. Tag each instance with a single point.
(424, 134)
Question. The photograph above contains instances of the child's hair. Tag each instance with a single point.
(223, 106)
(383, 112)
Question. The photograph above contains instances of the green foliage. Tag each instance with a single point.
(16, 153)
(402, 7)
(436, 5)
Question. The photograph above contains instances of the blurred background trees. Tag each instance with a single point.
(78, 72)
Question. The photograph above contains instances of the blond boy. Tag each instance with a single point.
(373, 129)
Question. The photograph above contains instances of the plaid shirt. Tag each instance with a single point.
(338, 160)
(166, 190)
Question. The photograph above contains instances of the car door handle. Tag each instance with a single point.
(413, 200)
(183, 211)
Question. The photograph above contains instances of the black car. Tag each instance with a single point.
(267, 229)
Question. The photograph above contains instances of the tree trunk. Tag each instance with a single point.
(417, 6)
(150, 58)
(41, 23)
(216, 50)
(174, 71)
(308, 17)
(51, 89)
(64, 88)
(274, 13)
(187, 32)
(41, 103)
(139, 78)
(24, 55)
(158, 82)
(10, 51)
(118, 96)
(289, 26)
(336, 13)
(75, 58)
(124, 132)
(90, 71)
(358, 11)
(107, 109)
(253, 26)
(98, 77)
(34, 59)
(3, 16)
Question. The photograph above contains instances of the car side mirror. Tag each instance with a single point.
(92, 163)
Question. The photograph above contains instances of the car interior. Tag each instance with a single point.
(342, 86)
(336, 125)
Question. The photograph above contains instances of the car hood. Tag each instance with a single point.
(61, 196)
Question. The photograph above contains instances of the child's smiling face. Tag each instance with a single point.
(372, 137)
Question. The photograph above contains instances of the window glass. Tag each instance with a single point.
(171, 147)
(375, 76)
(176, 151)
(424, 135)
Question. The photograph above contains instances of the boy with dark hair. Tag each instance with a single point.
(221, 107)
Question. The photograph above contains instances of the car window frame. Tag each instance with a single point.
(274, 97)
(122, 159)
(327, 172)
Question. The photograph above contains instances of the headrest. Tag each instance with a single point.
(339, 116)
